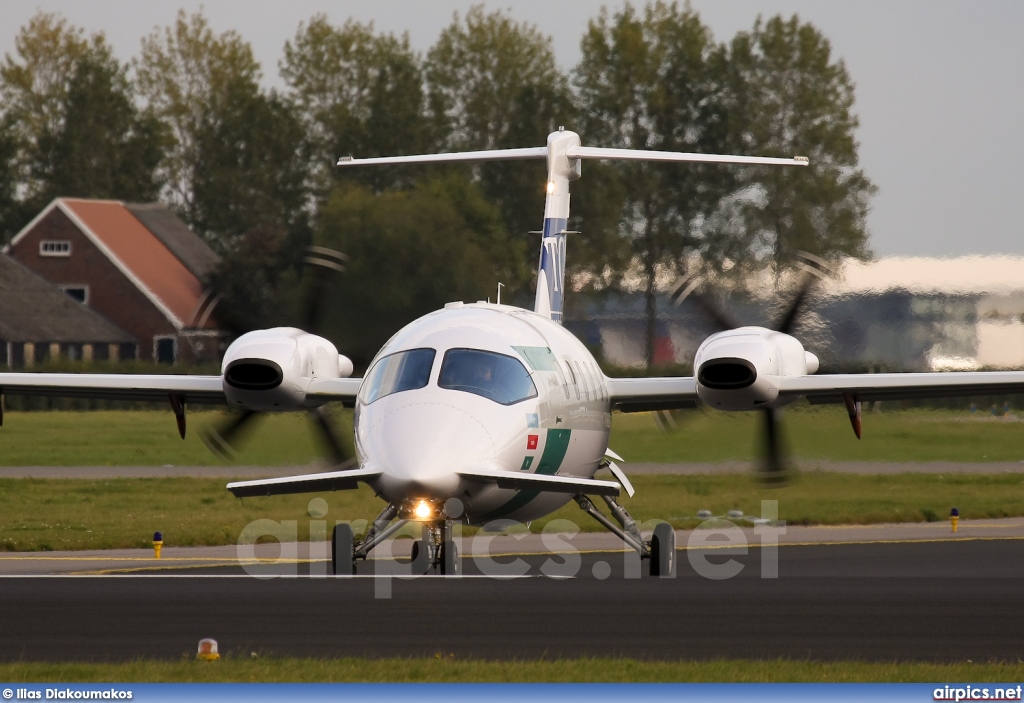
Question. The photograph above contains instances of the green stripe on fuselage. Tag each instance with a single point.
(555, 448)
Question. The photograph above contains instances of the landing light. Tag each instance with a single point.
(422, 511)
(551, 187)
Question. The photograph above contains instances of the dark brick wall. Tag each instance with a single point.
(111, 293)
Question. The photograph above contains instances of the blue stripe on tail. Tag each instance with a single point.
(552, 264)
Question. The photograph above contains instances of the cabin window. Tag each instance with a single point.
(575, 382)
(584, 379)
(51, 247)
(496, 377)
(402, 371)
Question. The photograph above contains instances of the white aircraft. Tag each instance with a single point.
(482, 411)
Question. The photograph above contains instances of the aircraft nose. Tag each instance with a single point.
(419, 447)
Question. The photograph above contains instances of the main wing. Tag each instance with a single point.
(154, 387)
(643, 394)
(633, 395)
(830, 388)
(190, 389)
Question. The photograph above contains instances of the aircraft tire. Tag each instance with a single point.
(343, 560)
(420, 562)
(449, 559)
(663, 551)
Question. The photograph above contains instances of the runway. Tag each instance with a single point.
(938, 598)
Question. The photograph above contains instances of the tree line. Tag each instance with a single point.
(188, 122)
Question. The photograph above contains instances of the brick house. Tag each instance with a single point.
(139, 266)
(38, 322)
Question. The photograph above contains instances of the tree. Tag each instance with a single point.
(10, 221)
(71, 124)
(791, 98)
(105, 147)
(492, 84)
(411, 252)
(250, 171)
(359, 94)
(653, 81)
(35, 83)
(250, 196)
(187, 74)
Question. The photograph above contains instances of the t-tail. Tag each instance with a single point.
(564, 155)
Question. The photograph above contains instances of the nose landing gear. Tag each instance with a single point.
(435, 550)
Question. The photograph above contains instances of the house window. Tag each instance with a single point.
(79, 293)
(126, 352)
(55, 247)
(164, 350)
(72, 351)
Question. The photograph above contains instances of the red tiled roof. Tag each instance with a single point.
(140, 254)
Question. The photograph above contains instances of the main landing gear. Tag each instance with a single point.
(660, 550)
(435, 550)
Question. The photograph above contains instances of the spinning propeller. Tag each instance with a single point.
(774, 468)
(322, 264)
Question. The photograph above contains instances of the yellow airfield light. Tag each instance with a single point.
(207, 650)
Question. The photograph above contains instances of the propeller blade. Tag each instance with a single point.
(689, 286)
(786, 322)
(773, 469)
(815, 269)
(324, 264)
(341, 457)
(219, 439)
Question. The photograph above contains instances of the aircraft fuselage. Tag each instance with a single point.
(481, 386)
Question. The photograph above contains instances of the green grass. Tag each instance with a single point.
(69, 514)
(61, 514)
(824, 434)
(448, 668)
(149, 438)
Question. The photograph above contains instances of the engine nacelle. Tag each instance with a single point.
(740, 369)
(271, 369)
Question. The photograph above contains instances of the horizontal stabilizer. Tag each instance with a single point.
(592, 152)
(539, 152)
(543, 482)
(307, 483)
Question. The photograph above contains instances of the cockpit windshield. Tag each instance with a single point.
(402, 371)
(496, 377)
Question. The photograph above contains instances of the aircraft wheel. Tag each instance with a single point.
(343, 559)
(449, 559)
(663, 551)
(420, 562)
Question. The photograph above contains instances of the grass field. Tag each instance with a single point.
(450, 669)
(59, 514)
(149, 438)
(63, 514)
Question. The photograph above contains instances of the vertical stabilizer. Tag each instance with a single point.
(551, 271)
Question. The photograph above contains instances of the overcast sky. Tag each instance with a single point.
(939, 86)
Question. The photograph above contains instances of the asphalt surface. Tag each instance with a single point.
(895, 593)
